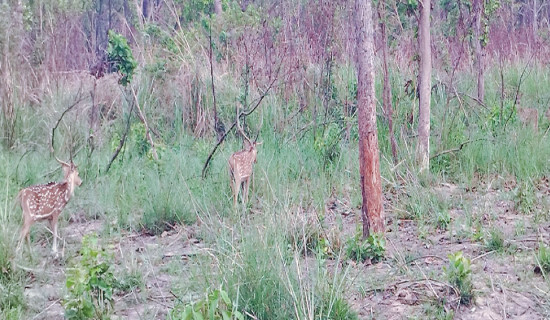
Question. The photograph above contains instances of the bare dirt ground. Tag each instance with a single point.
(409, 283)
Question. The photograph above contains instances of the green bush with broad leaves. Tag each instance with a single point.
(217, 305)
(90, 283)
(373, 248)
(459, 275)
(120, 57)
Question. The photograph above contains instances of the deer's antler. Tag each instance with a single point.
(240, 129)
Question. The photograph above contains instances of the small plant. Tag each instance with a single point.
(443, 219)
(495, 241)
(90, 283)
(459, 274)
(525, 198)
(372, 248)
(216, 305)
(543, 258)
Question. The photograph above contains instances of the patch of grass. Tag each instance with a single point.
(525, 198)
(543, 258)
(495, 241)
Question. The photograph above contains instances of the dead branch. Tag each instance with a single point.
(80, 98)
(141, 117)
(455, 149)
(122, 140)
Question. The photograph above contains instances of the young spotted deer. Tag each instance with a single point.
(241, 166)
(46, 201)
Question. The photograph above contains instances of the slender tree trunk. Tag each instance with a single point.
(479, 55)
(218, 7)
(369, 161)
(386, 93)
(423, 147)
(535, 19)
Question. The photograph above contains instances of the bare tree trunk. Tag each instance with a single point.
(386, 93)
(535, 19)
(369, 161)
(218, 7)
(423, 147)
(479, 66)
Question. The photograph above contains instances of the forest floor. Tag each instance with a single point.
(409, 283)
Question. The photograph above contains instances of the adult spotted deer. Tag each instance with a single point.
(46, 201)
(241, 166)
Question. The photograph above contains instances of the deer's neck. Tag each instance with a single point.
(69, 187)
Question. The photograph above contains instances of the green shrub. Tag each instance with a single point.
(216, 305)
(372, 248)
(90, 283)
(459, 275)
(495, 241)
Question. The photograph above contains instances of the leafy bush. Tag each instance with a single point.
(90, 283)
(372, 248)
(120, 57)
(459, 274)
(216, 305)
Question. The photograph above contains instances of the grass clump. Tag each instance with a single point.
(543, 258)
(525, 198)
(372, 248)
(459, 275)
(495, 241)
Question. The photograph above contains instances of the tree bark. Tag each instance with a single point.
(478, 47)
(369, 161)
(423, 147)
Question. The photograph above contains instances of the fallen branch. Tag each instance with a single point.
(455, 149)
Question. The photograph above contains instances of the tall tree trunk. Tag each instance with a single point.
(478, 47)
(369, 161)
(423, 147)
(386, 93)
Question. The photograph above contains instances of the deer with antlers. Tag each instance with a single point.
(241, 166)
(46, 201)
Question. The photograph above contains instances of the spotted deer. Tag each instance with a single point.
(241, 166)
(46, 201)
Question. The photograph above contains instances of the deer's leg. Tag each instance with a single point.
(25, 229)
(245, 190)
(53, 224)
(236, 190)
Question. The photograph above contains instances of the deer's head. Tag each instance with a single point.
(70, 172)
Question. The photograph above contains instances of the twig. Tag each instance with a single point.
(482, 255)
(44, 310)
